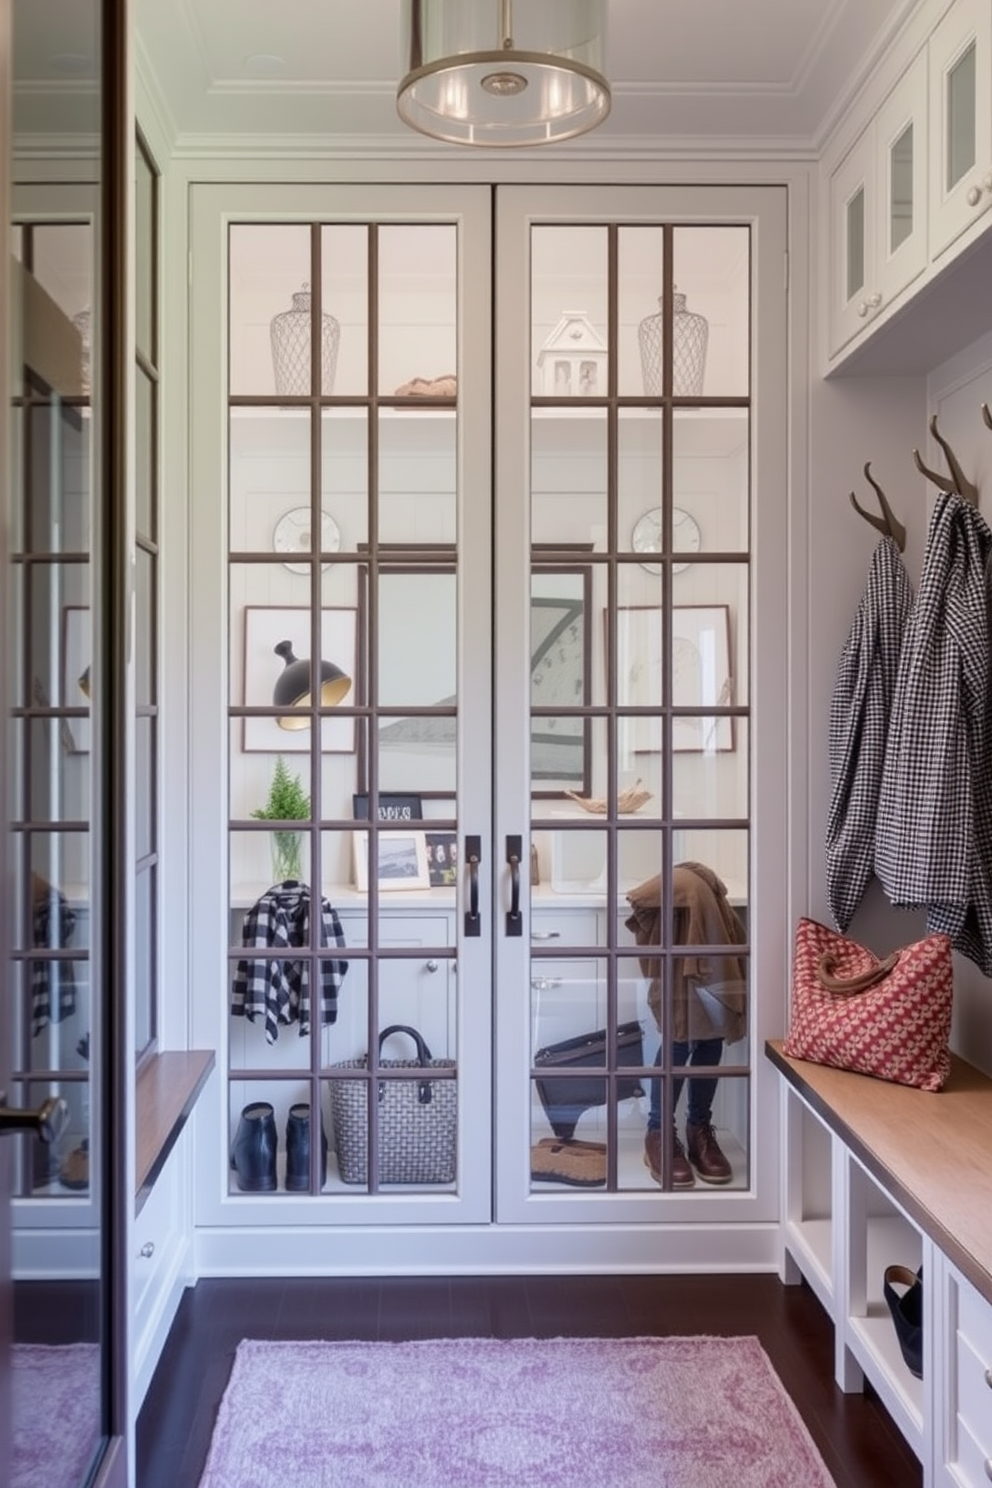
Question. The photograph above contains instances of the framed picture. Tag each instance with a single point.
(74, 675)
(701, 677)
(265, 626)
(442, 858)
(392, 807)
(402, 861)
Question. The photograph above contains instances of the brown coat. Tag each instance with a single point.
(709, 993)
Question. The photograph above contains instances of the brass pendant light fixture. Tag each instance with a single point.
(486, 72)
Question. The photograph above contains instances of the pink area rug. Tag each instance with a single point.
(56, 1400)
(493, 1413)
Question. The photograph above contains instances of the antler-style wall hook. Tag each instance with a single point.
(888, 523)
(960, 484)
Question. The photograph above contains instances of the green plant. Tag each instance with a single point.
(287, 801)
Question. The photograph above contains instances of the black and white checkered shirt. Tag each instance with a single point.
(273, 987)
(53, 982)
(859, 722)
(934, 837)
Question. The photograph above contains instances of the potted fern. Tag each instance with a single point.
(287, 801)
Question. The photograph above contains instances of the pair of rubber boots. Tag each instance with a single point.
(256, 1144)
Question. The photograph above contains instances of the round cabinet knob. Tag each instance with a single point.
(973, 195)
(875, 300)
(147, 1250)
(988, 1377)
(432, 965)
(863, 309)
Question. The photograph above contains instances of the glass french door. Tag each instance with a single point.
(487, 660)
(640, 390)
(347, 565)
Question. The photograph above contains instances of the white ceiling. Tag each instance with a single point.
(762, 76)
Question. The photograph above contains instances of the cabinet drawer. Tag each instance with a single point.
(561, 929)
(972, 1464)
(155, 1235)
(973, 1366)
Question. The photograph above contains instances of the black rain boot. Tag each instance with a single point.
(298, 1150)
(254, 1155)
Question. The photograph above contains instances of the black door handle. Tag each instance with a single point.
(48, 1122)
(514, 919)
(473, 856)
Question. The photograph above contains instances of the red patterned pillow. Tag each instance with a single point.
(888, 1018)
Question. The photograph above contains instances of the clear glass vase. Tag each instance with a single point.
(287, 857)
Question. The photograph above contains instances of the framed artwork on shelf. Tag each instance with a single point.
(74, 675)
(701, 677)
(402, 861)
(393, 807)
(442, 858)
(265, 628)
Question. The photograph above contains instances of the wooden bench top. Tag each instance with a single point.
(931, 1152)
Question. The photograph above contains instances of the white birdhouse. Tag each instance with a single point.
(572, 361)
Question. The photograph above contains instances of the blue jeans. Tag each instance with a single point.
(701, 1092)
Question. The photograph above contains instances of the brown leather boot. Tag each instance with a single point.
(682, 1176)
(705, 1155)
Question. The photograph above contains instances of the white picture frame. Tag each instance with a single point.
(402, 861)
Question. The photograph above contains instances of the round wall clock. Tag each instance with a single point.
(293, 534)
(646, 536)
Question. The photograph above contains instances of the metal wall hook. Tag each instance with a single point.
(960, 484)
(888, 523)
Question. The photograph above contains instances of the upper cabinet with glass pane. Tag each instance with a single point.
(917, 180)
(878, 226)
(961, 128)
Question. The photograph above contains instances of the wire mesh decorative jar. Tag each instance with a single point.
(290, 332)
(690, 334)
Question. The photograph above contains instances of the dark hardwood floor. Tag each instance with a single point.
(855, 1435)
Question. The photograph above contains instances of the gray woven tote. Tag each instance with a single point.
(418, 1119)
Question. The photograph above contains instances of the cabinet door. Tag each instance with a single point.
(878, 219)
(961, 121)
(854, 295)
(900, 132)
(626, 605)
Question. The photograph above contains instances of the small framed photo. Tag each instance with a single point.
(402, 861)
(442, 858)
(392, 807)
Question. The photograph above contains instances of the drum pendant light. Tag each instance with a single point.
(488, 72)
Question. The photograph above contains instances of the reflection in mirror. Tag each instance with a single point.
(53, 1020)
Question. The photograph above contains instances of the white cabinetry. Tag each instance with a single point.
(160, 1263)
(878, 209)
(907, 183)
(965, 1375)
(873, 1177)
(960, 54)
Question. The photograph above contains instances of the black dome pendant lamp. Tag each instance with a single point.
(292, 689)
